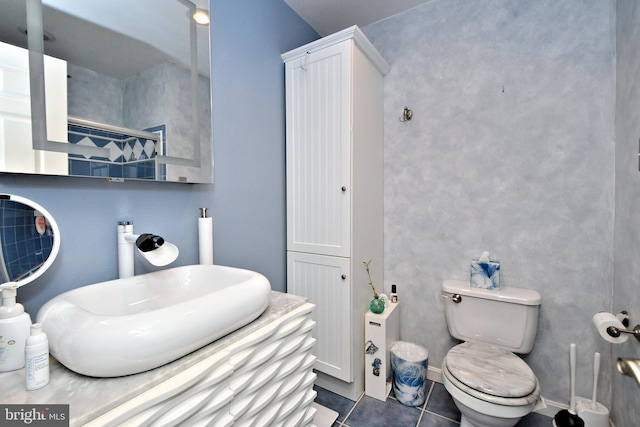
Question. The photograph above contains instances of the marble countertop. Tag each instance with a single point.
(90, 397)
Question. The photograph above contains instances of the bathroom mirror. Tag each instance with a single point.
(29, 240)
(121, 91)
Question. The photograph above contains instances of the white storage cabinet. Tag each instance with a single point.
(334, 131)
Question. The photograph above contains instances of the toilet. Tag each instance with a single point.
(490, 385)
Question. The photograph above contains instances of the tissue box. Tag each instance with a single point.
(485, 275)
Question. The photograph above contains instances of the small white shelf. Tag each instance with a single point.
(382, 330)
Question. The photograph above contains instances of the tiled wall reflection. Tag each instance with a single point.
(129, 157)
(22, 248)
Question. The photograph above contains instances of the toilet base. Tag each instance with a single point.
(471, 418)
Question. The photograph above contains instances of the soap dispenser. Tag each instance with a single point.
(15, 327)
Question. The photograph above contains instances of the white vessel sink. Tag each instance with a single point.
(126, 326)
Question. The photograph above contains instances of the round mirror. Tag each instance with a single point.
(29, 240)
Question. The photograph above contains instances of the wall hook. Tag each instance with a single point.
(407, 114)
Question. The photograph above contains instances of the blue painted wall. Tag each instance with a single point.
(249, 132)
(247, 199)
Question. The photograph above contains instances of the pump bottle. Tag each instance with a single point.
(14, 330)
(37, 358)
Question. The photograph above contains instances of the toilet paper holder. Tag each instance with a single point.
(623, 316)
(615, 332)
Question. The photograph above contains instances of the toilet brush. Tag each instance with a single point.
(593, 414)
(569, 418)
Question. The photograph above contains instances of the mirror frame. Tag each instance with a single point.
(40, 141)
(56, 241)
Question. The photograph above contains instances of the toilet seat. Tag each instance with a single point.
(491, 374)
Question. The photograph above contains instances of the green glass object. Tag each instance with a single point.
(377, 305)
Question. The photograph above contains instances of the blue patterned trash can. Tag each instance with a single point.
(409, 366)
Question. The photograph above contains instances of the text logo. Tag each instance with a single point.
(34, 415)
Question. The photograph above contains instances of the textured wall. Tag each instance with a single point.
(94, 96)
(162, 95)
(511, 150)
(627, 232)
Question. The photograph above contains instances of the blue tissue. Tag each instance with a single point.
(485, 274)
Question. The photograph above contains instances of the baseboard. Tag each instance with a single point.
(549, 407)
(434, 374)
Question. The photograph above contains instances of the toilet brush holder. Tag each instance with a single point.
(594, 414)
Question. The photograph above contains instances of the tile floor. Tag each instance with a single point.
(437, 411)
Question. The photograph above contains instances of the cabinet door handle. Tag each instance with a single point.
(344, 188)
(344, 277)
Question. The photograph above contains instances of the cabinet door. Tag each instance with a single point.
(325, 281)
(318, 91)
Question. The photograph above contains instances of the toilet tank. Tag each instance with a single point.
(507, 318)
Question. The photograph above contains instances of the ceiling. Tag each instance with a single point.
(117, 38)
(329, 16)
(325, 16)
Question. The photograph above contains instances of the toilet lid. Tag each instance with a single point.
(490, 370)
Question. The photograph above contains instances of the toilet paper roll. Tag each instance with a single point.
(603, 320)
(205, 240)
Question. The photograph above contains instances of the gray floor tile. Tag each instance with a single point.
(370, 412)
(432, 420)
(440, 402)
(330, 400)
(535, 420)
(439, 411)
